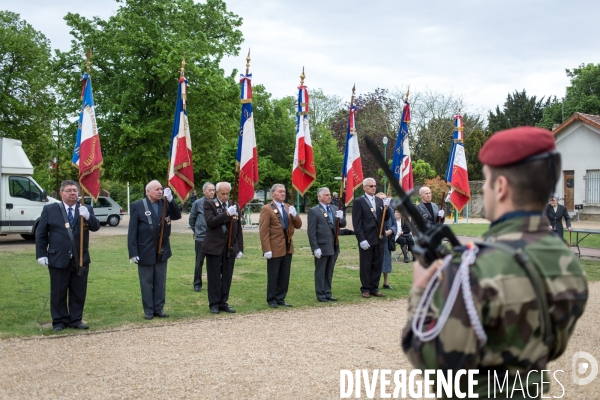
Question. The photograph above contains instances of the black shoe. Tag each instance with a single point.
(161, 315)
(331, 299)
(227, 309)
(58, 328)
(283, 303)
(148, 316)
(406, 259)
(80, 325)
(273, 305)
(214, 309)
(323, 300)
(197, 288)
(387, 287)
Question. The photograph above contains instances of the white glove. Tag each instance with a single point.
(292, 211)
(232, 210)
(134, 260)
(268, 255)
(387, 201)
(364, 245)
(239, 255)
(83, 211)
(317, 253)
(441, 213)
(168, 194)
(339, 214)
(43, 261)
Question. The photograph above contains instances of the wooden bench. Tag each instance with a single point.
(585, 233)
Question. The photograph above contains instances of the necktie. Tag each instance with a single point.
(373, 203)
(330, 214)
(70, 215)
(285, 217)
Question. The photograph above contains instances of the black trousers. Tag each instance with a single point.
(67, 294)
(278, 278)
(219, 270)
(323, 275)
(199, 262)
(153, 284)
(406, 240)
(370, 268)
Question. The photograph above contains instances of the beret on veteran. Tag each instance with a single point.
(516, 145)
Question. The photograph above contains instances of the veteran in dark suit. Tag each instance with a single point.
(556, 213)
(54, 248)
(429, 210)
(276, 226)
(142, 241)
(221, 217)
(367, 214)
(321, 236)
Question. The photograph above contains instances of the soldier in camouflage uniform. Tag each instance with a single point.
(521, 167)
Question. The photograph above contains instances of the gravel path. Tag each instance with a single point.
(276, 354)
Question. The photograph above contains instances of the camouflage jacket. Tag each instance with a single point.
(507, 307)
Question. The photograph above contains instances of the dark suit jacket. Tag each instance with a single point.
(321, 232)
(431, 220)
(52, 238)
(557, 217)
(139, 236)
(217, 231)
(366, 226)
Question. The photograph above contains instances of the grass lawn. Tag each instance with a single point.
(114, 300)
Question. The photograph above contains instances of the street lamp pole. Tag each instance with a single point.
(385, 142)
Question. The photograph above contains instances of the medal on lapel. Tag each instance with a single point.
(325, 215)
(67, 225)
(372, 209)
(147, 213)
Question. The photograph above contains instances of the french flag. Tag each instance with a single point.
(246, 157)
(461, 192)
(303, 170)
(181, 170)
(352, 172)
(401, 162)
(87, 155)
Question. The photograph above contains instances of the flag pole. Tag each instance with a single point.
(164, 209)
(341, 198)
(390, 187)
(88, 55)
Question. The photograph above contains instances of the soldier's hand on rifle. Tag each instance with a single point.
(168, 194)
(239, 255)
(83, 211)
(232, 210)
(364, 245)
(43, 261)
(387, 201)
(293, 211)
(339, 214)
(268, 255)
(441, 213)
(317, 253)
(135, 259)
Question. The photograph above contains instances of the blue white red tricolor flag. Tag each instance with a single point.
(352, 172)
(401, 162)
(303, 169)
(459, 178)
(458, 136)
(181, 170)
(87, 155)
(246, 157)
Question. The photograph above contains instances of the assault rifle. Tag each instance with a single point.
(429, 245)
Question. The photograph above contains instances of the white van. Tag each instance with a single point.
(21, 198)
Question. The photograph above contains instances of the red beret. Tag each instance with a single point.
(514, 145)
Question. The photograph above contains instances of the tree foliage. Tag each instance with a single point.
(582, 96)
(26, 99)
(518, 110)
(137, 54)
(422, 171)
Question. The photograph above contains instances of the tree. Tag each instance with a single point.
(323, 107)
(518, 110)
(137, 54)
(422, 171)
(582, 96)
(26, 100)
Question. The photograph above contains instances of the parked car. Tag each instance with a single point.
(106, 210)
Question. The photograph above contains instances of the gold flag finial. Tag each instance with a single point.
(460, 106)
(88, 55)
(248, 62)
(302, 76)
(407, 92)
(182, 67)
(352, 98)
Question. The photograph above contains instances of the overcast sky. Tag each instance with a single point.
(479, 49)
